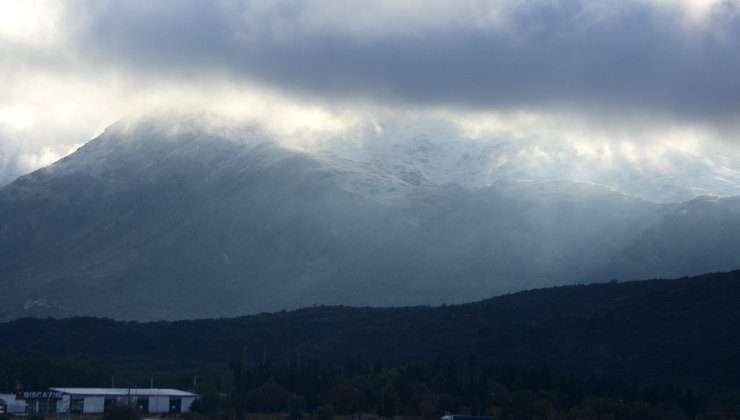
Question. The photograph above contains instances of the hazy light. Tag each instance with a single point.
(69, 69)
(33, 22)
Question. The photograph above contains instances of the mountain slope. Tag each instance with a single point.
(175, 219)
(439, 152)
(133, 225)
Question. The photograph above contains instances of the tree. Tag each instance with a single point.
(206, 405)
(429, 405)
(325, 412)
(296, 404)
(269, 397)
(121, 412)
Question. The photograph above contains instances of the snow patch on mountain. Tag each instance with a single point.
(391, 158)
(438, 153)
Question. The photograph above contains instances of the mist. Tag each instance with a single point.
(646, 84)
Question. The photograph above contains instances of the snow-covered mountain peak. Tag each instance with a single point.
(390, 159)
(440, 153)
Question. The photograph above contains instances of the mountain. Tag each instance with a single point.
(681, 331)
(440, 152)
(172, 219)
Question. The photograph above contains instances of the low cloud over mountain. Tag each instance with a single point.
(179, 218)
(641, 72)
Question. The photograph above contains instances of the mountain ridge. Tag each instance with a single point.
(177, 219)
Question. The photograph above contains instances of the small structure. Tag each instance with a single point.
(12, 404)
(98, 400)
(39, 402)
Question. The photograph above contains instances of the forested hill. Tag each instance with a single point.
(682, 331)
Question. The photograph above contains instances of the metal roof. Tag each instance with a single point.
(143, 392)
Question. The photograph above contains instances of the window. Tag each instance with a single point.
(175, 405)
(142, 404)
(77, 405)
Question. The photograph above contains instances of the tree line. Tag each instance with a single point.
(431, 389)
(300, 387)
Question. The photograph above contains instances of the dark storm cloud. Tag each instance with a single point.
(635, 56)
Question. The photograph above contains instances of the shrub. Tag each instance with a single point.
(121, 412)
(206, 404)
(325, 412)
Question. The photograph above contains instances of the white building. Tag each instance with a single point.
(146, 400)
(13, 406)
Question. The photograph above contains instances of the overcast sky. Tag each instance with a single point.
(611, 69)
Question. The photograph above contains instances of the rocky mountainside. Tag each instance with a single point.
(177, 219)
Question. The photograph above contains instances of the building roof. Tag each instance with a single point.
(119, 392)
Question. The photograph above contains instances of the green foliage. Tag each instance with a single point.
(296, 405)
(429, 406)
(620, 330)
(268, 397)
(428, 389)
(486, 357)
(325, 412)
(121, 413)
(717, 415)
(207, 404)
(39, 371)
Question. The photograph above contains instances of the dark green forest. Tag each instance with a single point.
(647, 349)
(300, 388)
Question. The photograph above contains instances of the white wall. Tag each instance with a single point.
(14, 406)
(159, 404)
(63, 404)
(94, 405)
(186, 401)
